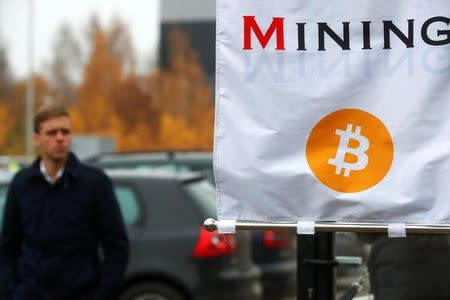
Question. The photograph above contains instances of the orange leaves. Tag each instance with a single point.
(93, 113)
(166, 109)
(172, 109)
(13, 114)
(184, 92)
(7, 121)
(176, 134)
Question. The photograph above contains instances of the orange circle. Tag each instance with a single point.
(362, 157)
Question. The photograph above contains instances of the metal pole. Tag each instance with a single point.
(325, 279)
(316, 263)
(211, 225)
(306, 289)
(30, 88)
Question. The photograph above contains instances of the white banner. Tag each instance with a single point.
(333, 110)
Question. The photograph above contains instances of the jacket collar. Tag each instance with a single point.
(71, 167)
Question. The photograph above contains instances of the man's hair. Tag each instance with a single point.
(46, 112)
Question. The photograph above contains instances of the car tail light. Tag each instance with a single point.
(276, 239)
(213, 244)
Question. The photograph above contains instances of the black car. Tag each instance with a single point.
(273, 251)
(172, 257)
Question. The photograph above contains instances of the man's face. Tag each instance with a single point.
(54, 138)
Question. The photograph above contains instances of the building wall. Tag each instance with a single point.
(197, 19)
(188, 10)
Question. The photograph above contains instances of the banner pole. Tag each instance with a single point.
(316, 261)
(211, 225)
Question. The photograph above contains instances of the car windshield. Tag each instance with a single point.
(204, 195)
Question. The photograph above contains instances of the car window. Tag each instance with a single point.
(208, 173)
(204, 195)
(205, 169)
(3, 192)
(125, 196)
(128, 203)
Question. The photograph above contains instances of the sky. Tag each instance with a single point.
(142, 17)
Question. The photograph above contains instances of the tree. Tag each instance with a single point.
(120, 45)
(8, 123)
(183, 91)
(92, 28)
(65, 68)
(6, 87)
(168, 109)
(101, 75)
(133, 102)
(139, 116)
(176, 134)
(6, 80)
(14, 109)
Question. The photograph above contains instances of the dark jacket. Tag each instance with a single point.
(51, 236)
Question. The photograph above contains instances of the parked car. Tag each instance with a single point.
(170, 160)
(273, 251)
(172, 257)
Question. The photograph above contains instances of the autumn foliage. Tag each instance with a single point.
(12, 114)
(165, 109)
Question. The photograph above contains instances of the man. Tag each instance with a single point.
(57, 214)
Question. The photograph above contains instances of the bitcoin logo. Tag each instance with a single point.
(343, 149)
(350, 150)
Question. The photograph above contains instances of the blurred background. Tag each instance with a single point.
(138, 78)
(136, 75)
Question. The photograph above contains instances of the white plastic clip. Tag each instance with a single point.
(397, 230)
(306, 227)
(226, 226)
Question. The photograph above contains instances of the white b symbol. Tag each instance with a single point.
(339, 160)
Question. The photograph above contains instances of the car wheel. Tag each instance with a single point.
(151, 291)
